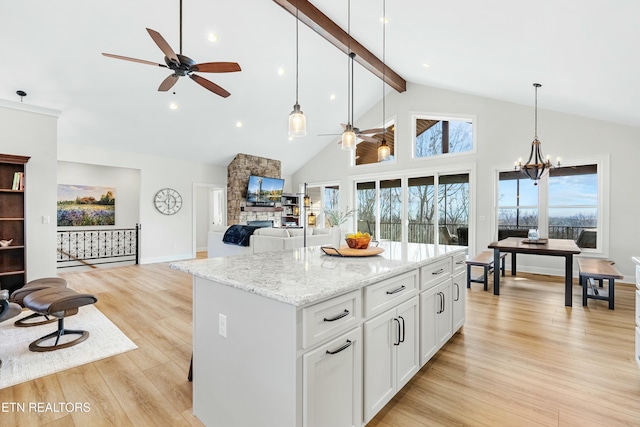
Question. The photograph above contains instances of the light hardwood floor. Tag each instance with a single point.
(522, 359)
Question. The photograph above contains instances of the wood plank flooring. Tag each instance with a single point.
(522, 359)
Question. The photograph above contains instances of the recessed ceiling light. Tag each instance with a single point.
(425, 65)
(384, 20)
(173, 106)
(332, 96)
(238, 124)
(213, 37)
(290, 138)
(281, 71)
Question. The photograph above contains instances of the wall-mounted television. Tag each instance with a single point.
(263, 191)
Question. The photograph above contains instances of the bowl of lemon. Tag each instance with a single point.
(358, 240)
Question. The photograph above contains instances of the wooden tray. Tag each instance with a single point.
(346, 251)
(536, 242)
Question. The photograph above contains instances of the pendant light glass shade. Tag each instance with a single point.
(348, 139)
(384, 152)
(297, 122)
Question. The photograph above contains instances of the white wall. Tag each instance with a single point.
(164, 237)
(32, 132)
(504, 133)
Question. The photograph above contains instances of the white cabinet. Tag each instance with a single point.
(637, 261)
(332, 383)
(390, 354)
(436, 319)
(458, 299)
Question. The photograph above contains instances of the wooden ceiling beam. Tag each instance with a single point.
(321, 24)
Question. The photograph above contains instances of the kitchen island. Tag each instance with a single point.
(299, 338)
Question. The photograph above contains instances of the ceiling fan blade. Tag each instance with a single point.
(163, 45)
(217, 67)
(368, 138)
(209, 85)
(329, 134)
(126, 58)
(168, 83)
(375, 130)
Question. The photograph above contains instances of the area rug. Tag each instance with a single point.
(20, 365)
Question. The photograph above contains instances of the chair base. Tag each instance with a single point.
(22, 323)
(35, 346)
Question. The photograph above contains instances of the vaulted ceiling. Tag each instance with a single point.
(583, 52)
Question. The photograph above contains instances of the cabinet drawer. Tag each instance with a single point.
(432, 274)
(459, 261)
(390, 292)
(329, 318)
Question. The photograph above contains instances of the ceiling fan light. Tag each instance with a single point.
(297, 122)
(384, 152)
(348, 140)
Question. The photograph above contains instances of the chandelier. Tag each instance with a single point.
(537, 163)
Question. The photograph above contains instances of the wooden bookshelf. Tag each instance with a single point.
(13, 260)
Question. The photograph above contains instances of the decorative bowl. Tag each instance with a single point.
(361, 242)
(5, 243)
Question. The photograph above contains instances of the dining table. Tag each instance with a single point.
(552, 247)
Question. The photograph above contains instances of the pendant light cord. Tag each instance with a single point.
(297, 20)
(349, 63)
(180, 27)
(384, 67)
(535, 130)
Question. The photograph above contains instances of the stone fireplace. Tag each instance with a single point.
(238, 172)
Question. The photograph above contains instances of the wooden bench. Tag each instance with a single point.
(590, 270)
(485, 260)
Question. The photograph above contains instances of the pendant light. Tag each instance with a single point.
(297, 120)
(384, 151)
(349, 136)
(537, 164)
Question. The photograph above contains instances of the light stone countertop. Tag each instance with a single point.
(303, 276)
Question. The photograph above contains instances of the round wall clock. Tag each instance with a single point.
(167, 201)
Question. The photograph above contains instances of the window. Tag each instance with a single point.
(437, 209)
(517, 205)
(322, 198)
(367, 151)
(573, 204)
(442, 136)
(567, 203)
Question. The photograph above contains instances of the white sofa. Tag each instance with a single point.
(266, 240)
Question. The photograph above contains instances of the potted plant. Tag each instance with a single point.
(336, 219)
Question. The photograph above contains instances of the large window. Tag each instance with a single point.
(566, 204)
(438, 136)
(437, 209)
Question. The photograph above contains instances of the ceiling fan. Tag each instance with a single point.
(183, 65)
(362, 134)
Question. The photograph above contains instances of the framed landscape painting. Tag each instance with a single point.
(86, 205)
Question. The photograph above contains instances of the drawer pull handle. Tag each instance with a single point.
(345, 346)
(457, 291)
(435, 273)
(403, 329)
(339, 316)
(395, 291)
(460, 262)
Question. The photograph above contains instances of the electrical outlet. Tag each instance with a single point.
(222, 325)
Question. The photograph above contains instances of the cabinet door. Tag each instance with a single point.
(407, 358)
(332, 382)
(430, 304)
(381, 334)
(445, 313)
(459, 294)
